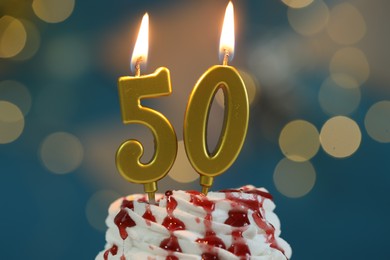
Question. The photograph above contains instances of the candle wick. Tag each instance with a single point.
(225, 57)
(138, 66)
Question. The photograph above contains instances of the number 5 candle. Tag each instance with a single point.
(131, 91)
(211, 164)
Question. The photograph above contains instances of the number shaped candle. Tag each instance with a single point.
(207, 164)
(131, 91)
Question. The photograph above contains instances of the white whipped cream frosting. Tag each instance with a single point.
(144, 237)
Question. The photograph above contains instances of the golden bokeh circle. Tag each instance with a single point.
(97, 206)
(251, 86)
(33, 42)
(344, 80)
(346, 24)
(337, 100)
(294, 179)
(297, 3)
(13, 36)
(11, 122)
(16, 93)
(350, 61)
(340, 136)
(299, 140)
(309, 20)
(53, 11)
(377, 121)
(61, 152)
(182, 171)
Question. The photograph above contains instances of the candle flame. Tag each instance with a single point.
(226, 43)
(140, 53)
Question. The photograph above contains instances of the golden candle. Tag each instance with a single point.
(211, 164)
(131, 91)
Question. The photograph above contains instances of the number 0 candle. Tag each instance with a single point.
(131, 91)
(211, 164)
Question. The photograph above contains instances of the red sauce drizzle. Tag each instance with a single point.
(171, 243)
(113, 250)
(122, 221)
(239, 247)
(268, 228)
(199, 199)
(127, 204)
(148, 215)
(251, 203)
(238, 217)
(209, 256)
(172, 224)
(210, 240)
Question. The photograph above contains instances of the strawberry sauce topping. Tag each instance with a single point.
(171, 243)
(238, 216)
(209, 256)
(210, 241)
(241, 201)
(148, 215)
(172, 224)
(239, 247)
(122, 221)
(113, 250)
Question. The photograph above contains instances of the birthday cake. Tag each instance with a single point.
(229, 224)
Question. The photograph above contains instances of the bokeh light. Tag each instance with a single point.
(297, 3)
(13, 36)
(340, 136)
(67, 57)
(350, 61)
(277, 60)
(96, 210)
(61, 152)
(309, 20)
(346, 24)
(251, 86)
(377, 121)
(299, 140)
(337, 100)
(344, 80)
(33, 42)
(182, 170)
(11, 122)
(53, 11)
(294, 179)
(16, 93)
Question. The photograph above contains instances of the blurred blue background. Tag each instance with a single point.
(318, 139)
